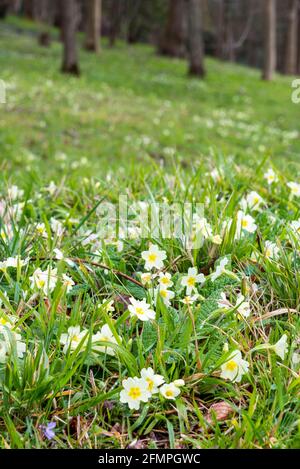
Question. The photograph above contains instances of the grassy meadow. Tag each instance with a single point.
(212, 329)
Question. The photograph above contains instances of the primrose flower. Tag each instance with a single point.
(216, 175)
(153, 380)
(14, 193)
(220, 269)
(295, 226)
(165, 280)
(8, 321)
(242, 306)
(202, 227)
(189, 300)
(191, 279)
(270, 176)
(41, 230)
(281, 347)
(154, 257)
(140, 309)
(56, 227)
(172, 390)
(107, 305)
(44, 280)
(68, 282)
(11, 339)
(271, 251)
(146, 278)
(135, 390)
(235, 367)
(73, 337)
(252, 201)
(59, 255)
(223, 303)
(217, 239)
(52, 188)
(104, 335)
(13, 262)
(295, 188)
(3, 351)
(245, 223)
(164, 294)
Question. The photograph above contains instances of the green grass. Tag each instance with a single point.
(134, 124)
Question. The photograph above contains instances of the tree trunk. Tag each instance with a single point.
(115, 18)
(45, 14)
(220, 32)
(69, 27)
(29, 8)
(290, 66)
(173, 42)
(93, 25)
(269, 39)
(195, 39)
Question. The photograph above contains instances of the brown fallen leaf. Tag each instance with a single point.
(221, 410)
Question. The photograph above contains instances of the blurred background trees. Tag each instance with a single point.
(259, 33)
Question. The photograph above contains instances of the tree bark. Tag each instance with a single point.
(29, 9)
(45, 14)
(115, 15)
(173, 42)
(69, 27)
(195, 39)
(269, 39)
(220, 31)
(290, 66)
(93, 25)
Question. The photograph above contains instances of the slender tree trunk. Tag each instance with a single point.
(93, 25)
(230, 50)
(290, 66)
(115, 14)
(29, 8)
(69, 28)
(45, 13)
(3, 8)
(220, 23)
(173, 42)
(195, 39)
(269, 39)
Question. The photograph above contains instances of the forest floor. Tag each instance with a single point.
(78, 314)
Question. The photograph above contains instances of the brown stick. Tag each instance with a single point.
(79, 261)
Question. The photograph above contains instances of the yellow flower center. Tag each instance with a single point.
(163, 293)
(164, 280)
(231, 365)
(75, 338)
(139, 311)
(191, 281)
(41, 283)
(150, 384)
(152, 257)
(169, 393)
(134, 393)
(244, 223)
(3, 321)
